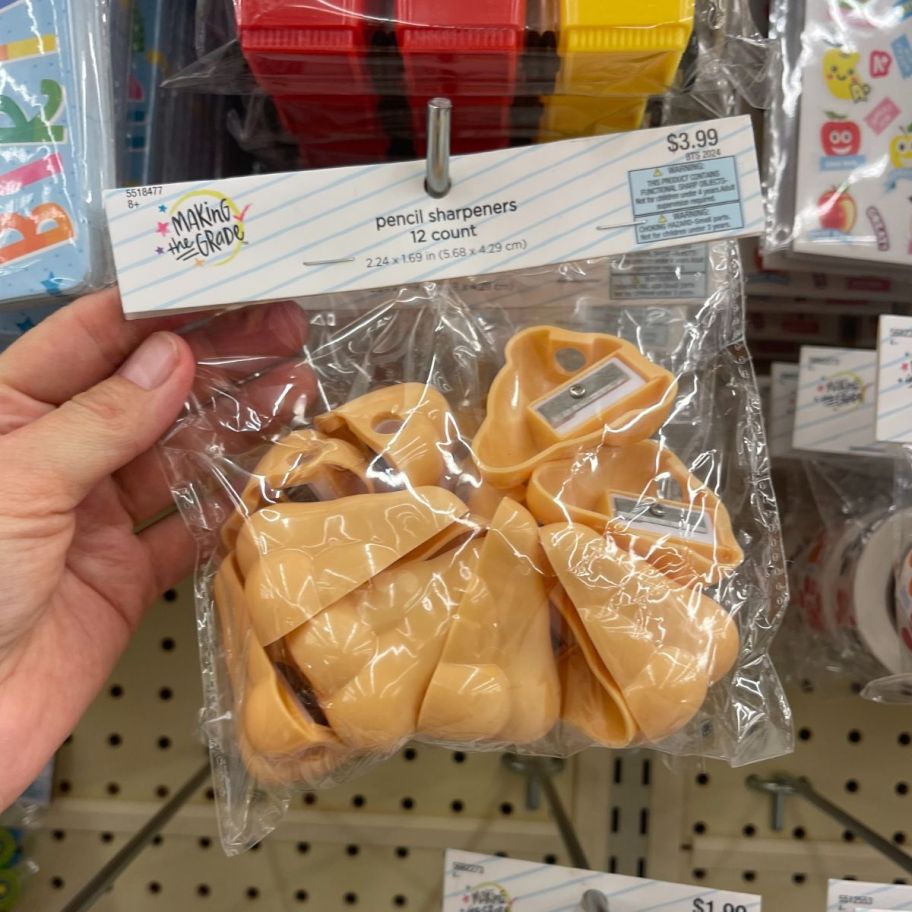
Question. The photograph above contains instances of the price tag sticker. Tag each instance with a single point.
(857, 896)
(486, 883)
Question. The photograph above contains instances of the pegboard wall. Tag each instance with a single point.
(375, 843)
(710, 829)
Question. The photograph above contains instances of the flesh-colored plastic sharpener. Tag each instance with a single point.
(661, 645)
(644, 497)
(562, 391)
(407, 426)
(613, 56)
(297, 559)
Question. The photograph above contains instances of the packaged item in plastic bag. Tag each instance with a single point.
(56, 147)
(351, 81)
(839, 134)
(529, 511)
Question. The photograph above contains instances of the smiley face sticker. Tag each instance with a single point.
(840, 70)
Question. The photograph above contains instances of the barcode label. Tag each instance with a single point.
(662, 518)
(589, 394)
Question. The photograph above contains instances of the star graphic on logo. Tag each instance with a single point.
(52, 284)
(27, 324)
(163, 208)
(159, 250)
(162, 228)
(199, 262)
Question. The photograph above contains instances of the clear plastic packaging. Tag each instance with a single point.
(56, 147)
(529, 511)
(351, 81)
(839, 140)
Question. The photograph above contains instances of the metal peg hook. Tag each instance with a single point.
(440, 123)
(594, 901)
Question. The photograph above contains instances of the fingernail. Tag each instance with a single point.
(152, 363)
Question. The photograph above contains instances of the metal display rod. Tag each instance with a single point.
(781, 786)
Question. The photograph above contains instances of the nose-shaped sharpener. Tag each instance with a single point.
(370, 655)
(298, 558)
(497, 679)
(644, 497)
(407, 426)
(304, 466)
(560, 391)
(280, 741)
(661, 644)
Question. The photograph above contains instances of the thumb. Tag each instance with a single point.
(69, 451)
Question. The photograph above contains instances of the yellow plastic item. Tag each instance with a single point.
(613, 56)
(645, 498)
(303, 466)
(371, 654)
(408, 425)
(560, 392)
(661, 644)
(497, 679)
(297, 559)
(279, 742)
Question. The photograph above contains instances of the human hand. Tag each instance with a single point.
(83, 399)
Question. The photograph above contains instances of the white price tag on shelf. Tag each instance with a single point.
(211, 243)
(486, 883)
(894, 379)
(783, 396)
(857, 896)
(835, 405)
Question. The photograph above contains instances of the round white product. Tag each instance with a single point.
(873, 595)
(904, 603)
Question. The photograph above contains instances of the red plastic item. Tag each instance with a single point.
(468, 51)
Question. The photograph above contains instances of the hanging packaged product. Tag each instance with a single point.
(840, 135)
(56, 151)
(351, 81)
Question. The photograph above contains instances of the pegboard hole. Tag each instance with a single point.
(203, 890)
(116, 691)
(164, 742)
(154, 887)
(900, 881)
(57, 883)
(550, 859)
(112, 788)
(699, 873)
(204, 842)
(410, 753)
(351, 899)
(851, 786)
(253, 893)
(703, 779)
(352, 850)
(459, 757)
(158, 839)
(165, 694)
(506, 808)
(168, 644)
(848, 836)
(170, 595)
(399, 900)
(799, 833)
(899, 838)
(162, 791)
(905, 739)
(749, 876)
(799, 878)
(749, 830)
(402, 852)
(58, 835)
(115, 740)
(64, 786)
(457, 806)
(107, 837)
(303, 847)
(310, 798)
(805, 734)
(699, 828)
(301, 896)
(358, 801)
(210, 794)
(407, 804)
(501, 855)
(902, 788)
(854, 736)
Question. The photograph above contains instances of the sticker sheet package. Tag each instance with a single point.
(527, 511)
(56, 151)
(485, 883)
(842, 186)
(857, 896)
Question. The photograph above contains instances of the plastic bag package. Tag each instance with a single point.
(839, 137)
(351, 81)
(56, 151)
(844, 578)
(530, 511)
